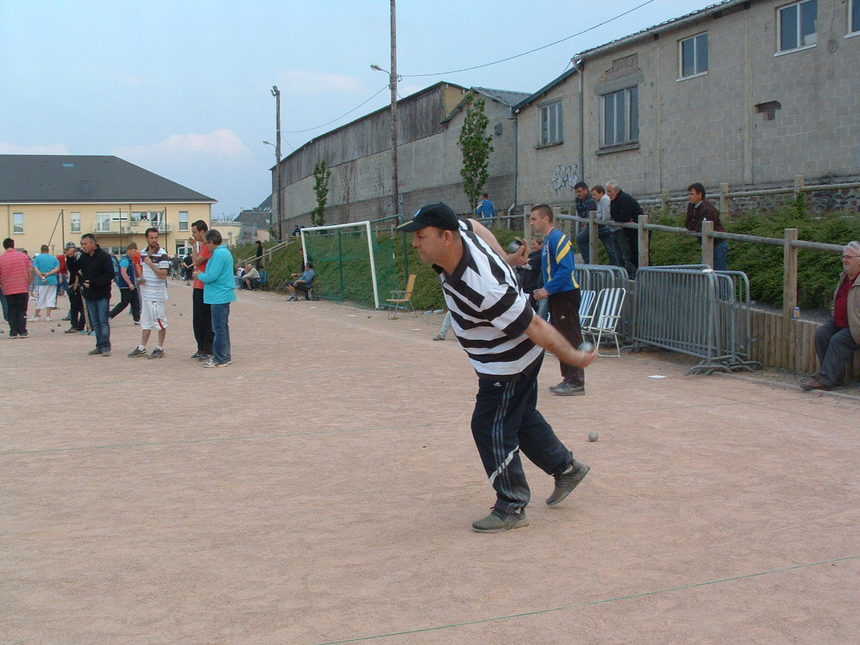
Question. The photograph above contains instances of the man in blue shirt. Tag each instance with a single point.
(126, 280)
(486, 210)
(562, 292)
(304, 283)
(46, 267)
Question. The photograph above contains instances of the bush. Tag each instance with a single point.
(818, 271)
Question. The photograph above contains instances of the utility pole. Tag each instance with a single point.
(395, 189)
(276, 198)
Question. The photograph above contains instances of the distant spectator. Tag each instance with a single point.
(188, 268)
(303, 284)
(623, 208)
(126, 280)
(259, 254)
(486, 210)
(838, 338)
(585, 203)
(16, 271)
(296, 231)
(699, 210)
(250, 277)
(46, 267)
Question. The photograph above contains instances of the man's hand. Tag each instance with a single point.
(519, 258)
(540, 294)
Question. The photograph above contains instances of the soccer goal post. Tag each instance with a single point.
(351, 262)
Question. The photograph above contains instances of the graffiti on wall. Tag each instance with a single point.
(565, 176)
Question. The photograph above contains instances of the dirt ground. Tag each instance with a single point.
(321, 490)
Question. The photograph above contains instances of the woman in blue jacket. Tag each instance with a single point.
(219, 290)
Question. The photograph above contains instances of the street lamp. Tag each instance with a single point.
(276, 210)
(392, 83)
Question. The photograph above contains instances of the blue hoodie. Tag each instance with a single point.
(219, 288)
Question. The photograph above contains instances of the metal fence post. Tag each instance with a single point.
(789, 254)
(593, 237)
(707, 243)
(644, 242)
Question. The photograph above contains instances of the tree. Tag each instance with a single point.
(321, 176)
(476, 148)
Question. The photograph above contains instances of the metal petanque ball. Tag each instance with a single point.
(53, 330)
(586, 347)
(593, 436)
(514, 246)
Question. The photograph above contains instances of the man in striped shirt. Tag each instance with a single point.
(503, 338)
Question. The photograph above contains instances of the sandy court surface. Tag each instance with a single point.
(321, 489)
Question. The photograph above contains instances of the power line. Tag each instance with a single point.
(531, 51)
(322, 125)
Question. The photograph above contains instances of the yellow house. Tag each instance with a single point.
(54, 199)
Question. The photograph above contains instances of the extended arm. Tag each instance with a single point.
(542, 333)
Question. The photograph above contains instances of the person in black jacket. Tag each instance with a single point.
(76, 303)
(97, 274)
(624, 208)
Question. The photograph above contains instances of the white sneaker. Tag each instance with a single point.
(48, 319)
(33, 319)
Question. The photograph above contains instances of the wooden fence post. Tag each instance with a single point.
(593, 237)
(666, 201)
(799, 183)
(644, 242)
(724, 202)
(527, 210)
(789, 254)
(707, 243)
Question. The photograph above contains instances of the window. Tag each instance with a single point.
(854, 17)
(693, 56)
(17, 222)
(76, 223)
(183, 220)
(551, 124)
(621, 117)
(797, 25)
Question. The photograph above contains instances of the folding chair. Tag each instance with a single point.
(604, 320)
(402, 299)
(586, 300)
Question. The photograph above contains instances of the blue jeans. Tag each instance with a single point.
(834, 347)
(221, 327)
(100, 320)
(605, 236)
(721, 256)
(5, 307)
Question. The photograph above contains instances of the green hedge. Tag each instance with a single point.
(763, 264)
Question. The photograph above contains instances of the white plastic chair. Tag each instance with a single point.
(604, 320)
(586, 300)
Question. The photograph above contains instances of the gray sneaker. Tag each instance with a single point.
(137, 352)
(105, 352)
(498, 521)
(94, 352)
(566, 482)
(567, 389)
(156, 353)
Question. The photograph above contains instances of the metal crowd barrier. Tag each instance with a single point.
(696, 311)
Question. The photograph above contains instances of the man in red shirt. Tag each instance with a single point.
(16, 272)
(838, 338)
(202, 313)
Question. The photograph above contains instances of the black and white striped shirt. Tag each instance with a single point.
(489, 312)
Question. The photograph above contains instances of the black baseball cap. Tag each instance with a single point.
(439, 215)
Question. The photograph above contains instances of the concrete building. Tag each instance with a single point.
(748, 92)
(256, 222)
(429, 160)
(54, 199)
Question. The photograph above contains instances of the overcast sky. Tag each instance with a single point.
(182, 87)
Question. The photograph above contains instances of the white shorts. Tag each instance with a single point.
(152, 315)
(46, 296)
